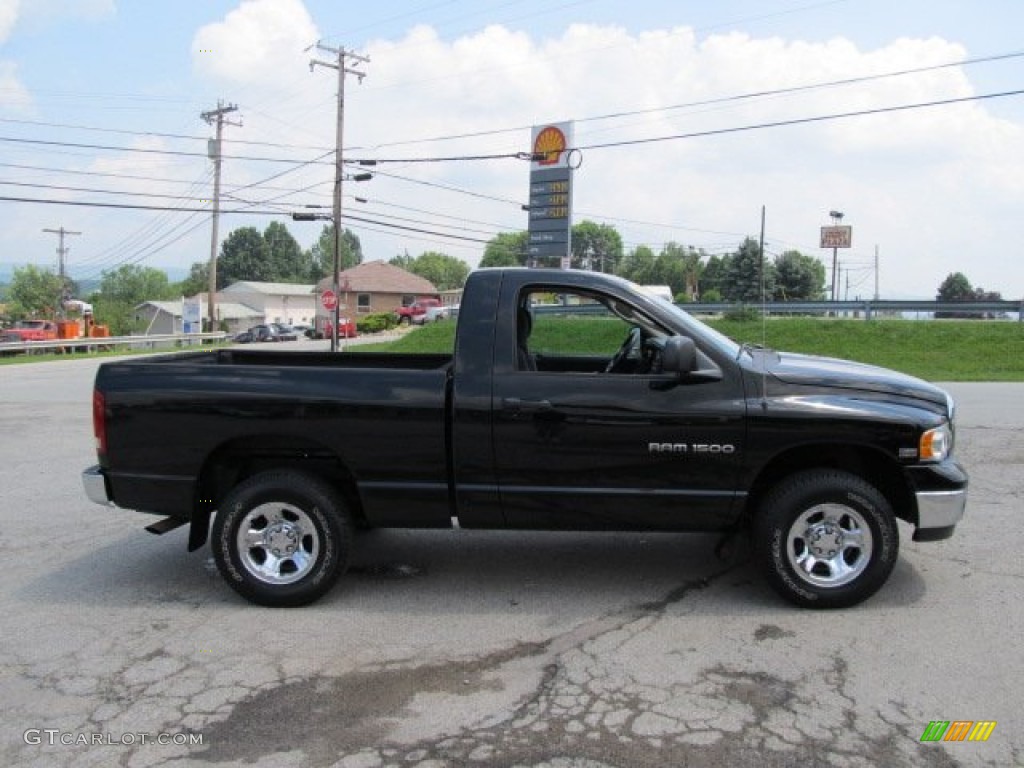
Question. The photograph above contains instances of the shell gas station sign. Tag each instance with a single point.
(550, 205)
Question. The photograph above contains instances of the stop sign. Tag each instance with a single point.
(329, 299)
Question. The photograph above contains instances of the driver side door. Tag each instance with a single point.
(580, 448)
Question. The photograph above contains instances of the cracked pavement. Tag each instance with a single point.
(470, 648)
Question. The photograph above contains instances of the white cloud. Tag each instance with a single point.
(14, 97)
(8, 17)
(260, 42)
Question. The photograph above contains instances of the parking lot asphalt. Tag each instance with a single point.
(452, 648)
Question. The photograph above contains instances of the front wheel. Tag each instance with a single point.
(282, 538)
(826, 539)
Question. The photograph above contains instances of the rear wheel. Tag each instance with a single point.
(282, 538)
(826, 539)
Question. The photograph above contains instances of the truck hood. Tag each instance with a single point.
(832, 373)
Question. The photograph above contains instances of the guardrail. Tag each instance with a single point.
(862, 308)
(169, 340)
(868, 308)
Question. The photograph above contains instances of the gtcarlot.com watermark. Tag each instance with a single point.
(54, 737)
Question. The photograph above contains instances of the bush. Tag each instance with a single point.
(741, 313)
(377, 322)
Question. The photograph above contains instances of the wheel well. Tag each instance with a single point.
(867, 463)
(237, 460)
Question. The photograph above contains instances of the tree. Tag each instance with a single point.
(198, 280)
(743, 275)
(34, 292)
(506, 249)
(289, 263)
(244, 255)
(322, 253)
(956, 287)
(122, 289)
(678, 267)
(597, 246)
(712, 279)
(799, 276)
(444, 271)
(638, 266)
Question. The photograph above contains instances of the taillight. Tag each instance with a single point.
(99, 421)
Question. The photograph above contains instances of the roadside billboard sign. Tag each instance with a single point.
(837, 236)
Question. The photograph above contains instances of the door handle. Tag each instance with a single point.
(517, 405)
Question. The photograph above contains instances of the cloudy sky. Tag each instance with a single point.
(690, 117)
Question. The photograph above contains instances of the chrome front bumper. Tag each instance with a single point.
(96, 486)
(938, 512)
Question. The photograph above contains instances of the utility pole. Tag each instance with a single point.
(62, 253)
(216, 117)
(342, 66)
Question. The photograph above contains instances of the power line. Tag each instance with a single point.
(720, 100)
(146, 151)
(154, 134)
(799, 121)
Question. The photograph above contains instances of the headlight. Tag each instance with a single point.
(936, 444)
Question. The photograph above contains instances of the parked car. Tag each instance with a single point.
(245, 337)
(663, 424)
(285, 332)
(264, 333)
(346, 329)
(412, 313)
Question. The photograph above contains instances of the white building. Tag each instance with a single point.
(276, 302)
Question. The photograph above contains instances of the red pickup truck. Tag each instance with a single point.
(31, 330)
(415, 311)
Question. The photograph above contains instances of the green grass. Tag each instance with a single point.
(937, 350)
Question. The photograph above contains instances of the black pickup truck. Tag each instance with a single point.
(571, 401)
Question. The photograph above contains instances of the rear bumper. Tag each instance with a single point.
(95, 483)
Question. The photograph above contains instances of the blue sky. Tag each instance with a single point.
(936, 190)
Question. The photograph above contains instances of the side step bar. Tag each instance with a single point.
(165, 525)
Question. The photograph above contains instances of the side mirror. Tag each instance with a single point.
(679, 355)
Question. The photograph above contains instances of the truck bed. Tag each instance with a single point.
(381, 416)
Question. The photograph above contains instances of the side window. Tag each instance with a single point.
(572, 332)
(363, 302)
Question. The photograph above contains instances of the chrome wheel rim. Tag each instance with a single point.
(277, 543)
(829, 545)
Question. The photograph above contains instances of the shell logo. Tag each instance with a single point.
(550, 143)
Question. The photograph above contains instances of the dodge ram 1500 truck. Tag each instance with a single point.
(571, 401)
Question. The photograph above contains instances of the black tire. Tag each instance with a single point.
(826, 539)
(282, 538)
